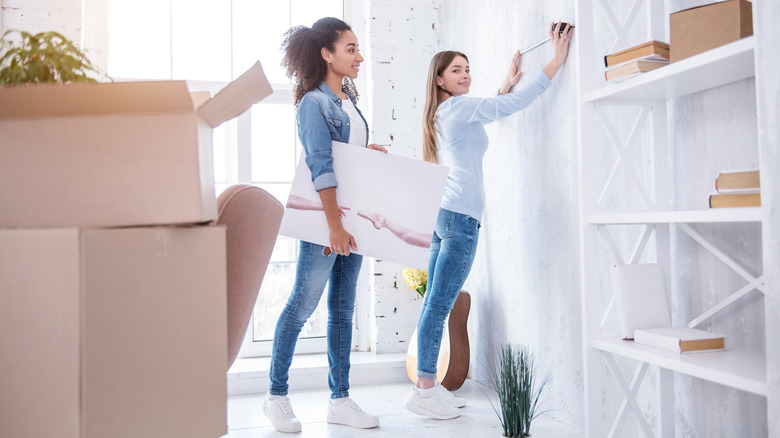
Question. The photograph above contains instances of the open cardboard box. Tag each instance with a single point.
(114, 332)
(113, 154)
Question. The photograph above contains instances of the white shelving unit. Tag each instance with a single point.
(740, 369)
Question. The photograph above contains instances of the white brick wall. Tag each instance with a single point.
(63, 16)
(396, 308)
(401, 39)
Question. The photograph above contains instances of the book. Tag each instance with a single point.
(679, 339)
(728, 200)
(738, 180)
(650, 50)
(633, 67)
(640, 298)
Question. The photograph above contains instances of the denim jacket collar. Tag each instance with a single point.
(325, 89)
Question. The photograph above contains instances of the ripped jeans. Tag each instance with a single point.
(453, 248)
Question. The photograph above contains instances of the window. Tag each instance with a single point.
(208, 43)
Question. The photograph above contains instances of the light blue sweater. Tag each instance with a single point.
(462, 142)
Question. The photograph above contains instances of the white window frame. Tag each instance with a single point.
(239, 157)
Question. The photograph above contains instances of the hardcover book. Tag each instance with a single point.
(738, 180)
(679, 339)
(729, 200)
(633, 67)
(653, 50)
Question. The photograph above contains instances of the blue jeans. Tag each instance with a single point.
(314, 269)
(453, 248)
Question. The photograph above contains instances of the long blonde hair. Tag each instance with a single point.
(439, 63)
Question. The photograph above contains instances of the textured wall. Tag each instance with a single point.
(63, 16)
(401, 38)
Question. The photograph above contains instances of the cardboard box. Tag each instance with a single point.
(113, 154)
(697, 30)
(113, 333)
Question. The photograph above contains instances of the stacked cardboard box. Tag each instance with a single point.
(112, 278)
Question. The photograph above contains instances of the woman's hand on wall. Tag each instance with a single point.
(513, 75)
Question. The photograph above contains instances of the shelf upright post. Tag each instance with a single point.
(765, 15)
(660, 138)
(587, 75)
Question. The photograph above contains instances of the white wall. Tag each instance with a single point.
(400, 39)
(62, 16)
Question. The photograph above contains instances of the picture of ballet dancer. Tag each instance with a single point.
(388, 203)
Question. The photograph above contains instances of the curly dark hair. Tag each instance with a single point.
(302, 58)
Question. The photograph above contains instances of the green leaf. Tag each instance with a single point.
(44, 57)
(515, 382)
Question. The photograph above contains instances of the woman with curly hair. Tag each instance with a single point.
(322, 60)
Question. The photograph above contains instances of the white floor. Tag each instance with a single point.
(478, 419)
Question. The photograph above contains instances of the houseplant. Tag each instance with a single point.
(42, 57)
(519, 388)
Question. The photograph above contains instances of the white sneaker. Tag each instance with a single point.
(279, 411)
(346, 411)
(434, 406)
(449, 397)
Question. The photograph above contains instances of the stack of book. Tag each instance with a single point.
(635, 60)
(737, 189)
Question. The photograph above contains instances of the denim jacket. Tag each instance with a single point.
(321, 120)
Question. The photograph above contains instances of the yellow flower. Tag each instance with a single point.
(417, 279)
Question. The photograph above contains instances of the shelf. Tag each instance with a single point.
(617, 226)
(715, 215)
(738, 369)
(723, 65)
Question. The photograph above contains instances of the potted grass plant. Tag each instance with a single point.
(44, 57)
(519, 388)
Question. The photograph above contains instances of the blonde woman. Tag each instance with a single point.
(454, 135)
